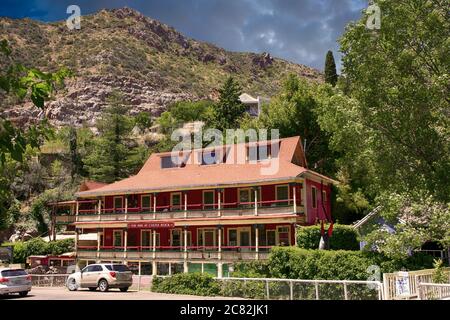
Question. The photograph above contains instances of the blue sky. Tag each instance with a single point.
(297, 30)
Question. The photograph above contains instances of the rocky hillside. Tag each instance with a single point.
(150, 62)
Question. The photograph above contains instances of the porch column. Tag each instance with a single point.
(219, 204)
(185, 262)
(257, 241)
(185, 240)
(185, 204)
(77, 207)
(99, 209)
(126, 207)
(154, 206)
(98, 243)
(125, 242)
(220, 242)
(76, 239)
(154, 244)
(256, 201)
(220, 270)
(294, 197)
(295, 234)
(303, 200)
(154, 265)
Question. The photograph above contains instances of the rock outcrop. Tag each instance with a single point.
(151, 63)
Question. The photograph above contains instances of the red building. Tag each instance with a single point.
(197, 215)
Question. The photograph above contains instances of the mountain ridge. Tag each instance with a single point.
(152, 63)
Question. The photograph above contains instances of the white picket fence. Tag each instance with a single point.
(434, 291)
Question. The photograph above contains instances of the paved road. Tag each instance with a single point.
(85, 294)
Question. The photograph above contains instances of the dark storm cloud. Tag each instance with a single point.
(297, 30)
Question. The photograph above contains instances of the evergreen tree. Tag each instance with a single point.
(114, 155)
(76, 163)
(331, 76)
(229, 110)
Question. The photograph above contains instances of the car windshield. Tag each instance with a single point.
(117, 267)
(13, 273)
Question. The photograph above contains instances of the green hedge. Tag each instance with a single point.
(187, 283)
(297, 263)
(293, 263)
(37, 246)
(343, 237)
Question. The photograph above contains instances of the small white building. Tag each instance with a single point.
(254, 105)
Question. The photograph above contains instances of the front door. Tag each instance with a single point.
(118, 238)
(283, 236)
(209, 238)
(176, 239)
(244, 240)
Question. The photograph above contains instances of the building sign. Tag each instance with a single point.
(153, 225)
(402, 284)
(6, 254)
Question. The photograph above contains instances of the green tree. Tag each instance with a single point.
(114, 155)
(189, 111)
(390, 124)
(293, 112)
(143, 121)
(331, 76)
(229, 109)
(22, 82)
(76, 163)
(400, 82)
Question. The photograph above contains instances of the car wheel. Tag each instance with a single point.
(103, 285)
(92, 288)
(124, 289)
(23, 293)
(72, 284)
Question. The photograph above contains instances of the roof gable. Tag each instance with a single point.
(290, 163)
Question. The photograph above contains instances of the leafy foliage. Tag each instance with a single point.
(23, 249)
(143, 121)
(293, 112)
(344, 238)
(400, 83)
(187, 283)
(187, 111)
(417, 218)
(439, 275)
(23, 82)
(296, 263)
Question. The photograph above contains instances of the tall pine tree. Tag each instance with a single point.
(114, 155)
(76, 164)
(229, 109)
(331, 76)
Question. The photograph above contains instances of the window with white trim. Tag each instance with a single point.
(314, 197)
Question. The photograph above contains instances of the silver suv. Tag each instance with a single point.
(14, 281)
(103, 276)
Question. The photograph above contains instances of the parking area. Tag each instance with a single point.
(84, 294)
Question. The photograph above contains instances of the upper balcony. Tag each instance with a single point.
(190, 211)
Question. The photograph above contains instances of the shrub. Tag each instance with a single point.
(343, 238)
(187, 283)
(23, 249)
(296, 263)
(251, 269)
